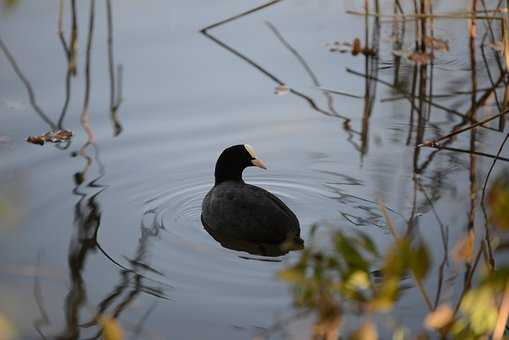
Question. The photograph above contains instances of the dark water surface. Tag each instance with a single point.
(116, 229)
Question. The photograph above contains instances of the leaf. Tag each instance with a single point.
(358, 280)
(479, 306)
(291, 275)
(386, 296)
(397, 259)
(56, 136)
(366, 332)
(356, 46)
(8, 4)
(110, 329)
(498, 201)
(353, 258)
(436, 44)
(439, 318)
(464, 248)
(367, 243)
(420, 58)
(7, 331)
(281, 90)
(420, 261)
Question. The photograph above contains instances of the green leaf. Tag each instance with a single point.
(420, 261)
(479, 307)
(367, 243)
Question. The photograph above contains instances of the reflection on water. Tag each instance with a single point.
(405, 133)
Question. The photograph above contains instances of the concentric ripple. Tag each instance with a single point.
(191, 258)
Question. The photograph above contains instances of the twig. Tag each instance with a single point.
(235, 17)
(28, 86)
(346, 94)
(479, 153)
(230, 49)
(115, 100)
(84, 116)
(455, 132)
(61, 28)
(418, 16)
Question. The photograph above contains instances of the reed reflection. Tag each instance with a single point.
(436, 121)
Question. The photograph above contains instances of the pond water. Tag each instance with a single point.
(113, 227)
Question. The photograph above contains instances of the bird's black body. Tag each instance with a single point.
(240, 211)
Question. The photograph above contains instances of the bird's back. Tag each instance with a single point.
(245, 211)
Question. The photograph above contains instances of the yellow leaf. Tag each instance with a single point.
(366, 332)
(358, 280)
(439, 318)
(478, 305)
(291, 275)
(7, 331)
(111, 329)
(464, 248)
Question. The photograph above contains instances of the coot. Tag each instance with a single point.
(240, 211)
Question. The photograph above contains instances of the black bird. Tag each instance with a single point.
(236, 211)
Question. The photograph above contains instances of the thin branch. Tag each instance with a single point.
(478, 153)
(28, 86)
(467, 128)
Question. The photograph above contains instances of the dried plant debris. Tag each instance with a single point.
(354, 47)
(56, 136)
(497, 46)
(419, 58)
(281, 90)
(436, 44)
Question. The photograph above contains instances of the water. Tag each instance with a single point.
(116, 229)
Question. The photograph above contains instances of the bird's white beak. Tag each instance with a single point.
(259, 163)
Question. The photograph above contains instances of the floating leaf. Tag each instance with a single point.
(355, 48)
(497, 46)
(111, 329)
(366, 332)
(281, 90)
(436, 44)
(464, 248)
(439, 318)
(420, 58)
(56, 136)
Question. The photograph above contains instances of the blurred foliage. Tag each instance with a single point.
(9, 4)
(11, 206)
(345, 279)
(111, 330)
(498, 201)
(7, 331)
